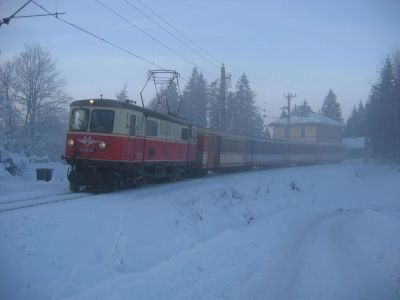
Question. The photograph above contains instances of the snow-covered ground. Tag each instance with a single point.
(313, 232)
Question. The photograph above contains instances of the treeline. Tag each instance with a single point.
(330, 108)
(379, 119)
(33, 105)
(201, 104)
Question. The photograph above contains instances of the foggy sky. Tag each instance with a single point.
(303, 47)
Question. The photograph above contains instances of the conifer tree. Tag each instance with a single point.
(160, 104)
(194, 106)
(356, 123)
(242, 114)
(302, 110)
(383, 128)
(123, 94)
(331, 108)
(295, 110)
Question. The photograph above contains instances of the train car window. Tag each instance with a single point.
(228, 145)
(132, 125)
(151, 128)
(102, 121)
(303, 131)
(184, 134)
(79, 119)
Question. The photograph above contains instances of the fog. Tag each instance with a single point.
(199, 149)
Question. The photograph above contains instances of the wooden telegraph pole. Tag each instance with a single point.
(288, 97)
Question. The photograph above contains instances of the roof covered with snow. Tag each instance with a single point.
(311, 118)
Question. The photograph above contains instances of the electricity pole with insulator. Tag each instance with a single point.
(224, 77)
(288, 97)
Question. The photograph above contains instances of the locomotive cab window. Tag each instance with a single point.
(151, 128)
(79, 119)
(102, 121)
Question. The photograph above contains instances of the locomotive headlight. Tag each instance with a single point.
(102, 145)
(91, 101)
(71, 142)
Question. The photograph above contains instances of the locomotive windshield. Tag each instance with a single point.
(79, 119)
(102, 121)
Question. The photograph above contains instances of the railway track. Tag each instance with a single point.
(39, 201)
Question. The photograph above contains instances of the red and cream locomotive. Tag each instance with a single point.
(113, 144)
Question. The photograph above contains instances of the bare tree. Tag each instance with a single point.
(8, 113)
(39, 92)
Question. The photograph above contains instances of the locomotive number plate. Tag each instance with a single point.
(86, 150)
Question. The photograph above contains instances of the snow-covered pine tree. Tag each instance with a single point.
(242, 114)
(356, 123)
(173, 100)
(194, 105)
(383, 115)
(302, 110)
(123, 94)
(331, 108)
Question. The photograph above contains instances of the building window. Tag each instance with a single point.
(303, 132)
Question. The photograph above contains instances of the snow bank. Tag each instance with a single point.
(26, 170)
(316, 232)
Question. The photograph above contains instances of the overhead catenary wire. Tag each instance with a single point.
(209, 55)
(170, 33)
(213, 58)
(7, 20)
(152, 63)
(101, 38)
(218, 61)
(147, 34)
(14, 15)
(275, 82)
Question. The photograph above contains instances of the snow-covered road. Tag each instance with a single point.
(246, 235)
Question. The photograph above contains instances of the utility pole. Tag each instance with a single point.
(13, 16)
(224, 77)
(288, 97)
(223, 97)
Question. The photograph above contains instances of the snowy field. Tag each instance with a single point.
(313, 232)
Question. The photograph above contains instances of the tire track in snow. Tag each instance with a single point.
(323, 262)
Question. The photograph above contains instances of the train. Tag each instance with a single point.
(114, 144)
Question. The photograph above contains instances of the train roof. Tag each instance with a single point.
(237, 136)
(130, 105)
